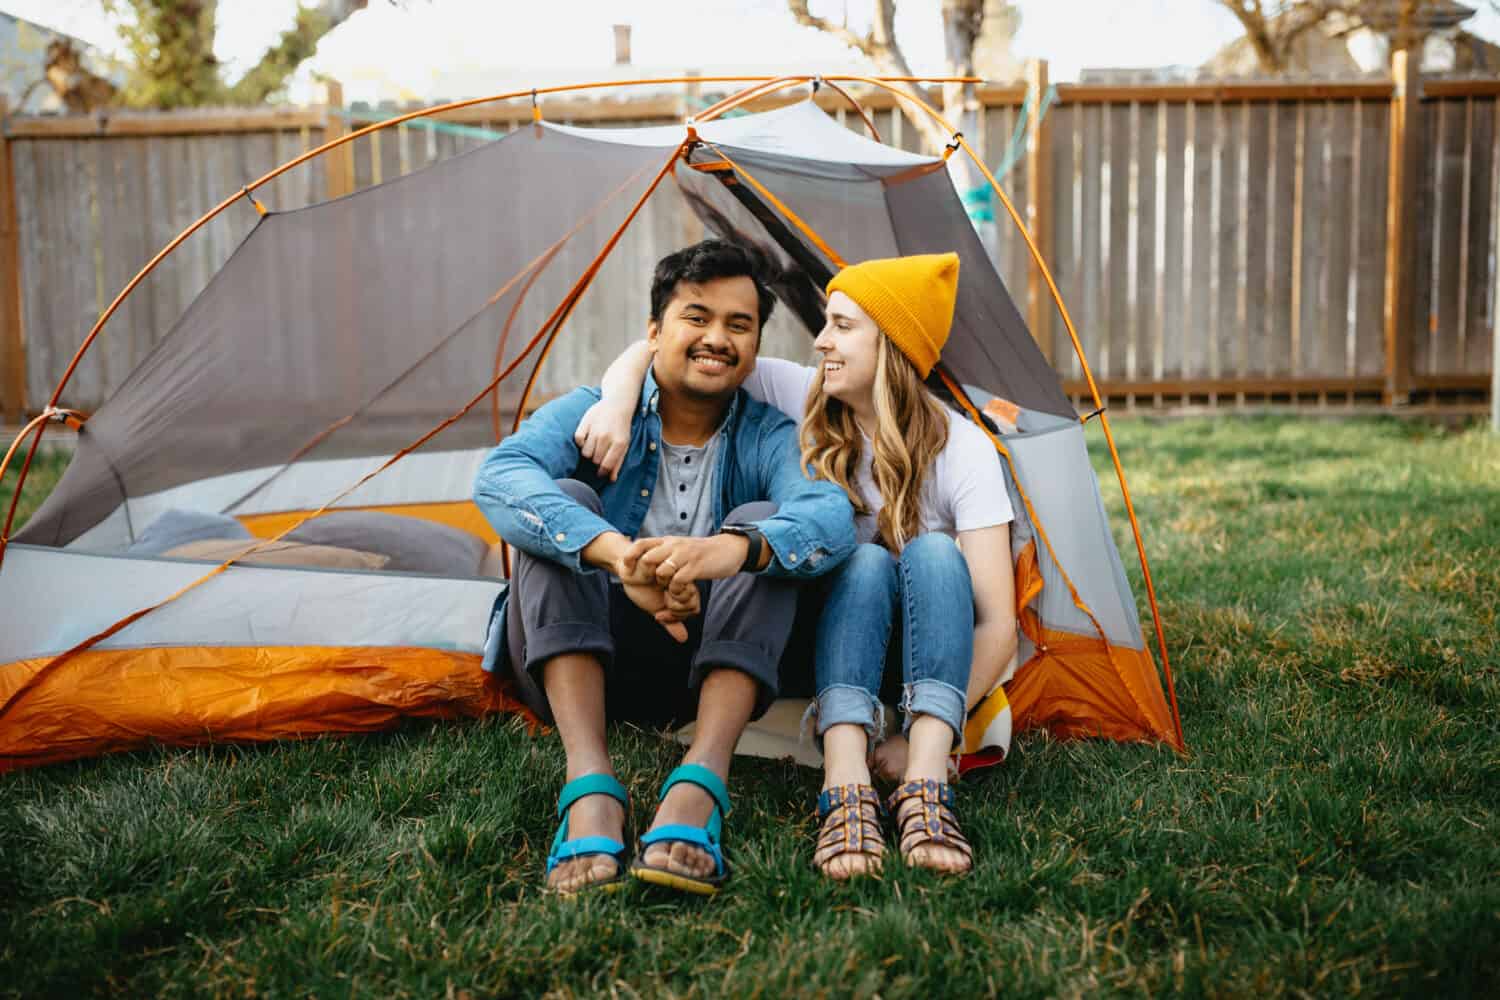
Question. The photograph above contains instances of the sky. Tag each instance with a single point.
(412, 44)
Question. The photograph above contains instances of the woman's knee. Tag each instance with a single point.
(869, 567)
(933, 548)
(933, 555)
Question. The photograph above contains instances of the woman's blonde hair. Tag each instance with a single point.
(911, 429)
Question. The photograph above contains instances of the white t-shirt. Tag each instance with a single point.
(965, 488)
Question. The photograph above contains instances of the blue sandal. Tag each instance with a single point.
(709, 837)
(564, 849)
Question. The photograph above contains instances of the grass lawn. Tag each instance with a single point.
(1329, 591)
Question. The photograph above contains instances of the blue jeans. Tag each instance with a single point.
(926, 594)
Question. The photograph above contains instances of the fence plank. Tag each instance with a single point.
(1250, 353)
(1171, 230)
(1200, 239)
(1144, 329)
(126, 245)
(1063, 257)
(1425, 194)
(1093, 326)
(13, 396)
(1479, 296)
(1448, 244)
(1117, 248)
(1373, 139)
(1229, 239)
(1312, 251)
(1276, 329)
(33, 236)
(1337, 240)
(1070, 130)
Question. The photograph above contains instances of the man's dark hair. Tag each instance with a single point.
(707, 261)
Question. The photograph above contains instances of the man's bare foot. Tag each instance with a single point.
(690, 805)
(890, 759)
(590, 816)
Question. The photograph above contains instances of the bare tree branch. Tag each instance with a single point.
(865, 44)
(880, 47)
(295, 46)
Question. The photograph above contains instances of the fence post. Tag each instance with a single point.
(1039, 204)
(1495, 344)
(338, 164)
(1400, 248)
(12, 339)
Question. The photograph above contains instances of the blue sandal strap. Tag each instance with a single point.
(697, 774)
(591, 784)
(683, 833)
(564, 849)
(583, 847)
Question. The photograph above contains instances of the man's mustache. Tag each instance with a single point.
(726, 356)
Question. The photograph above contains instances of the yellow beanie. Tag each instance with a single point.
(910, 298)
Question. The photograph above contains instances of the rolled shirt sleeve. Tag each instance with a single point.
(812, 530)
(516, 487)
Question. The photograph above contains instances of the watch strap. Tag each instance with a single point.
(755, 545)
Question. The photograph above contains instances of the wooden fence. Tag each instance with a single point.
(1214, 244)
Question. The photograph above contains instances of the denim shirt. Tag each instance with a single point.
(811, 532)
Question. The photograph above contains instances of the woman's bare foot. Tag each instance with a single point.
(933, 857)
(844, 748)
(927, 762)
(590, 816)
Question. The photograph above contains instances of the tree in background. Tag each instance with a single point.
(1273, 27)
(963, 23)
(170, 57)
(171, 46)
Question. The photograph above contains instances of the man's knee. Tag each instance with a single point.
(582, 493)
(755, 510)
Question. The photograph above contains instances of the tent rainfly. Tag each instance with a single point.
(268, 530)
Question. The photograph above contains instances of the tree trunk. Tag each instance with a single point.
(961, 23)
(296, 45)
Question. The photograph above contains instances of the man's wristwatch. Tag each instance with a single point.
(756, 540)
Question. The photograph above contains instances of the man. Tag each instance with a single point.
(692, 614)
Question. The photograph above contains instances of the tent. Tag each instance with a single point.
(267, 531)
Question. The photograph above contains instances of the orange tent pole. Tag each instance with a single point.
(552, 322)
(869, 124)
(209, 216)
(1109, 437)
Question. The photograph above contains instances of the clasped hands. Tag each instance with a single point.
(661, 575)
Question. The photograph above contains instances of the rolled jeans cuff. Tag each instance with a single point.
(848, 704)
(937, 699)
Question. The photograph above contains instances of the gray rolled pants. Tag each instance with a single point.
(650, 679)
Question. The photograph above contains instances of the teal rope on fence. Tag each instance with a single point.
(442, 128)
(979, 202)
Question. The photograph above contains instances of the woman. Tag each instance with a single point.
(933, 569)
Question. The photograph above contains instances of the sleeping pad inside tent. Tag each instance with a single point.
(356, 359)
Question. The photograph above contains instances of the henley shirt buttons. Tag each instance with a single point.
(791, 557)
(652, 446)
(645, 493)
(562, 536)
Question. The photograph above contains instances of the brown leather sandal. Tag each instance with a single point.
(929, 821)
(851, 825)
